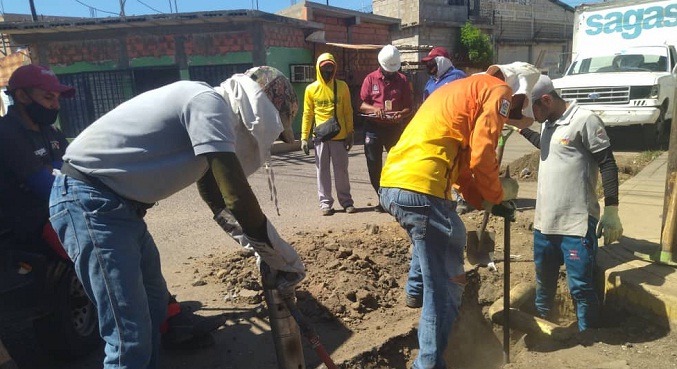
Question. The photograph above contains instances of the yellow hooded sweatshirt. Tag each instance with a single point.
(318, 103)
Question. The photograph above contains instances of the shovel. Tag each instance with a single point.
(481, 243)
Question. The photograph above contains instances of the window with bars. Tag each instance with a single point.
(215, 74)
(96, 94)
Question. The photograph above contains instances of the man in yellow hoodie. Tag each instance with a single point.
(451, 140)
(326, 98)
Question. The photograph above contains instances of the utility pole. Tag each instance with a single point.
(669, 229)
(122, 8)
(34, 14)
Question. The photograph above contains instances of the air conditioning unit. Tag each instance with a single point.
(303, 73)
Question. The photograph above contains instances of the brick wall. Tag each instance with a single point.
(69, 52)
(150, 46)
(370, 33)
(211, 44)
(274, 35)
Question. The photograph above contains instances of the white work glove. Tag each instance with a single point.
(304, 147)
(279, 255)
(510, 188)
(348, 141)
(610, 225)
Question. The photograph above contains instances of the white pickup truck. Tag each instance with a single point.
(625, 64)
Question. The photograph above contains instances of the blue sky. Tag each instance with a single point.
(108, 8)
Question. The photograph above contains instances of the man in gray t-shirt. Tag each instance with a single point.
(145, 150)
(574, 148)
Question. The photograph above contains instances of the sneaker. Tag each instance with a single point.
(379, 209)
(350, 209)
(413, 302)
(327, 212)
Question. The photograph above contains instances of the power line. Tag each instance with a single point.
(91, 7)
(149, 7)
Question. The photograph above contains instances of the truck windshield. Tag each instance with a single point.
(641, 59)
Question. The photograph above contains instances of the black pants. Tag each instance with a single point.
(378, 137)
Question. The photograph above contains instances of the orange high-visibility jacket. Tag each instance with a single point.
(453, 139)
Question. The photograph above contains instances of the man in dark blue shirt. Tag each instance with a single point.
(31, 148)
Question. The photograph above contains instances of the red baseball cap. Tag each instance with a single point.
(327, 61)
(438, 51)
(36, 76)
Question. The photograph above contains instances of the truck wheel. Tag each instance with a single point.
(72, 328)
(664, 134)
(656, 135)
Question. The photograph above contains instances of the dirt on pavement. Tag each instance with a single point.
(353, 296)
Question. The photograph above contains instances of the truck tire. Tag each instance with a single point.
(656, 135)
(72, 328)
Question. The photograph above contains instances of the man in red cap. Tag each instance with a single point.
(31, 148)
(441, 70)
(31, 152)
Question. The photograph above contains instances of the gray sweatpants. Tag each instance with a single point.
(334, 152)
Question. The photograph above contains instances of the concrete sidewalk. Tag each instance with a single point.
(630, 280)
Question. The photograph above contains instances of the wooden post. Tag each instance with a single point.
(669, 228)
(6, 361)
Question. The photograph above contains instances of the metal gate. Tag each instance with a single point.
(96, 94)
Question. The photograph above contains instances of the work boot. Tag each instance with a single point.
(350, 209)
(413, 302)
(189, 331)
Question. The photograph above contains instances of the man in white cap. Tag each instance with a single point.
(451, 139)
(145, 150)
(386, 104)
(574, 146)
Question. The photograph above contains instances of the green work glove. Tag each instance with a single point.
(304, 147)
(610, 225)
(348, 141)
(510, 188)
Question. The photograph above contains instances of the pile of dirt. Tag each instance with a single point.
(352, 274)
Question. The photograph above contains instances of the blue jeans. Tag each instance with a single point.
(580, 261)
(438, 237)
(118, 264)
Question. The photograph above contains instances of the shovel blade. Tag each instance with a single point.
(479, 247)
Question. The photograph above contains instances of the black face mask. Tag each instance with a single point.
(326, 75)
(40, 115)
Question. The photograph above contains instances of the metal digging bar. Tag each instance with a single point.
(285, 331)
(506, 286)
(310, 334)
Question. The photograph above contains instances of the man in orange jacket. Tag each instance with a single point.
(452, 139)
